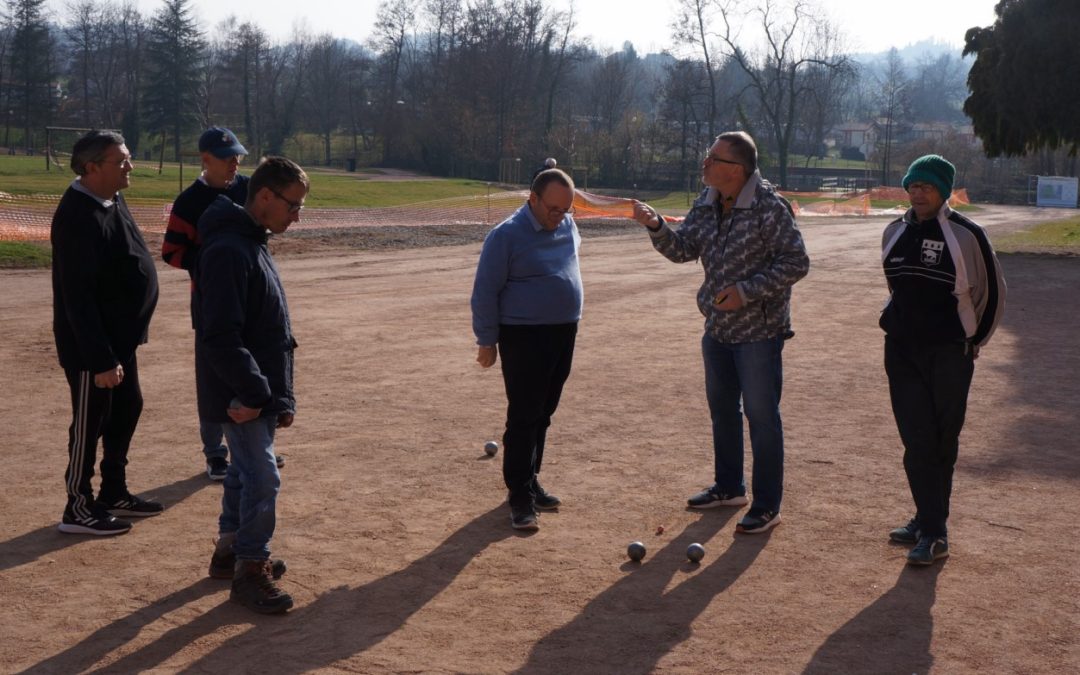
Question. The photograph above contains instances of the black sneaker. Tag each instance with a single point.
(253, 587)
(908, 534)
(709, 498)
(543, 500)
(928, 550)
(100, 523)
(756, 521)
(217, 468)
(279, 460)
(130, 506)
(223, 566)
(524, 520)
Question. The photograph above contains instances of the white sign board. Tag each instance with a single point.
(1056, 191)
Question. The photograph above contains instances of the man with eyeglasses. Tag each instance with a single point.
(221, 153)
(526, 304)
(745, 236)
(946, 297)
(244, 370)
(105, 289)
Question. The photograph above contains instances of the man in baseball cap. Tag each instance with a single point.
(221, 143)
(221, 153)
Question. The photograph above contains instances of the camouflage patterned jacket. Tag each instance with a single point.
(755, 245)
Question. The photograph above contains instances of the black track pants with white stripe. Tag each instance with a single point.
(108, 414)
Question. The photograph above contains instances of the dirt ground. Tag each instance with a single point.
(395, 528)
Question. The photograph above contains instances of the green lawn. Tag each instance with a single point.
(1055, 236)
(27, 175)
(20, 254)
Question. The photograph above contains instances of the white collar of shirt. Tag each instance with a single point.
(77, 185)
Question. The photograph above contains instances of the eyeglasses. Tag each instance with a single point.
(126, 161)
(294, 207)
(713, 158)
(924, 188)
(556, 210)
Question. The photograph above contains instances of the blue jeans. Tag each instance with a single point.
(212, 439)
(746, 376)
(251, 487)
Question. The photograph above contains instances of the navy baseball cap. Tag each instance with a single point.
(221, 143)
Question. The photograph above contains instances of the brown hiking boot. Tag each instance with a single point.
(223, 565)
(253, 587)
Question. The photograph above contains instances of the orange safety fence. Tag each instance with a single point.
(858, 203)
(28, 217)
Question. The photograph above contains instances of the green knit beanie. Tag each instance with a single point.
(933, 169)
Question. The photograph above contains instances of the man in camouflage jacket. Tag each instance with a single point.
(745, 236)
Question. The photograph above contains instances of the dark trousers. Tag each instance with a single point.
(535, 364)
(928, 385)
(108, 414)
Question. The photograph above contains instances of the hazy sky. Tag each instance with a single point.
(870, 25)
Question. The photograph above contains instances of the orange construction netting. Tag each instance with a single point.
(28, 217)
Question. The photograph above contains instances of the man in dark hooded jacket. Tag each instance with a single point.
(244, 369)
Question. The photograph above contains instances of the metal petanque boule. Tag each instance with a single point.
(491, 447)
(695, 552)
(635, 551)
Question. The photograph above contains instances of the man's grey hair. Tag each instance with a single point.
(92, 148)
(743, 147)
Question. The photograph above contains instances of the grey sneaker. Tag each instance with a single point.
(908, 534)
(757, 521)
(100, 523)
(130, 506)
(710, 498)
(928, 550)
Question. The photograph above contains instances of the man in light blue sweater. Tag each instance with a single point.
(526, 304)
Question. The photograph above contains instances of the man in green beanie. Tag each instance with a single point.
(947, 295)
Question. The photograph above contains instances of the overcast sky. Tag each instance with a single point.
(870, 25)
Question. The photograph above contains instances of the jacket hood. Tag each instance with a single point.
(223, 215)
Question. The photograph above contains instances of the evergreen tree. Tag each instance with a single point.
(174, 55)
(31, 75)
(1023, 98)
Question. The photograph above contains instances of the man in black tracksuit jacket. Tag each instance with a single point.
(244, 369)
(947, 295)
(105, 290)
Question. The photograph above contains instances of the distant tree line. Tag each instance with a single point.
(475, 88)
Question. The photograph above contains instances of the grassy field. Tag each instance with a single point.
(329, 189)
(24, 255)
(1056, 236)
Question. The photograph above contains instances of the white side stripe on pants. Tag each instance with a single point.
(79, 508)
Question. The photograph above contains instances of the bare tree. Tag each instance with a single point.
(215, 75)
(893, 104)
(131, 32)
(328, 66)
(685, 98)
(694, 24)
(251, 52)
(393, 23)
(795, 40)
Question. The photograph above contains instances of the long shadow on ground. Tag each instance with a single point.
(105, 640)
(892, 635)
(1041, 373)
(26, 548)
(629, 627)
(339, 624)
